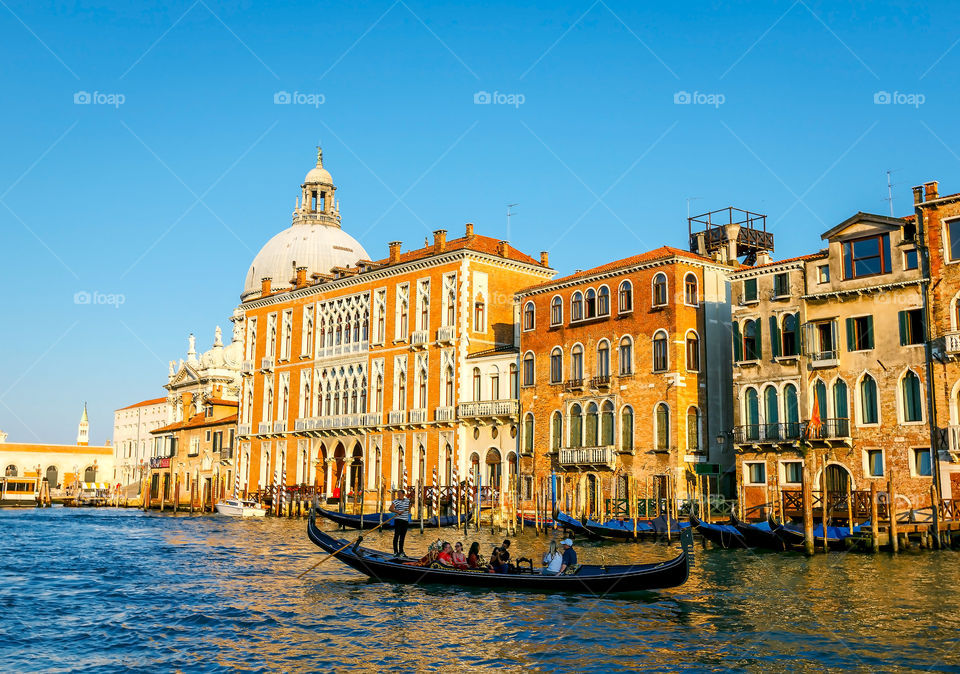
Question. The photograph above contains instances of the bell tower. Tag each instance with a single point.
(83, 428)
(317, 204)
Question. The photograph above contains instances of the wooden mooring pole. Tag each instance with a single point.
(874, 518)
(892, 511)
(935, 511)
(807, 496)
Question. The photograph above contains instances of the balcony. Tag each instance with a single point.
(244, 429)
(373, 419)
(419, 416)
(445, 413)
(587, 457)
(263, 428)
(824, 358)
(600, 382)
(266, 363)
(419, 339)
(447, 334)
(489, 408)
(280, 426)
(951, 343)
(345, 349)
(247, 366)
(303, 424)
(397, 417)
(791, 432)
(573, 385)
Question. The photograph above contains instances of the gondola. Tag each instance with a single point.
(573, 525)
(592, 579)
(758, 535)
(373, 520)
(726, 536)
(624, 528)
(793, 536)
(531, 521)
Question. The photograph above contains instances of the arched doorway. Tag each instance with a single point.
(51, 476)
(90, 474)
(512, 470)
(837, 479)
(475, 467)
(356, 470)
(591, 495)
(448, 467)
(339, 455)
(493, 468)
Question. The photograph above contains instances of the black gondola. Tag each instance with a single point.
(373, 520)
(623, 529)
(793, 535)
(572, 525)
(758, 535)
(587, 579)
(726, 536)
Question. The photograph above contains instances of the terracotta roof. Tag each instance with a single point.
(799, 258)
(144, 403)
(196, 421)
(477, 242)
(662, 253)
(223, 401)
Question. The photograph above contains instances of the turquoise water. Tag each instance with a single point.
(113, 590)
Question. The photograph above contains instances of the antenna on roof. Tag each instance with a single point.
(889, 198)
(509, 215)
(689, 199)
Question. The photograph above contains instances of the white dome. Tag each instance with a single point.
(318, 175)
(319, 248)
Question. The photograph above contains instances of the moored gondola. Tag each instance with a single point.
(793, 536)
(758, 535)
(726, 536)
(373, 520)
(572, 525)
(591, 579)
(617, 528)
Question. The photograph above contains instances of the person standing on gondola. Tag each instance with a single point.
(401, 508)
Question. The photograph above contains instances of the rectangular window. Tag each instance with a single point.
(910, 259)
(911, 327)
(217, 441)
(823, 273)
(750, 290)
(921, 463)
(781, 285)
(756, 473)
(860, 333)
(868, 256)
(660, 355)
(528, 371)
(953, 238)
(874, 462)
(792, 472)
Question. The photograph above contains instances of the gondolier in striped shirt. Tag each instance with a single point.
(401, 507)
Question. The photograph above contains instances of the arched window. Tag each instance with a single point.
(603, 301)
(592, 422)
(693, 429)
(591, 303)
(576, 362)
(662, 425)
(660, 290)
(626, 429)
(751, 414)
(495, 384)
(528, 433)
(868, 400)
(402, 391)
(606, 424)
(771, 412)
(476, 384)
(603, 359)
(693, 352)
(660, 360)
(514, 381)
(448, 387)
(556, 438)
(556, 311)
(576, 307)
(791, 409)
(379, 394)
(11, 471)
(528, 316)
(790, 335)
(528, 371)
(576, 425)
(626, 356)
(820, 394)
(751, 340)
(841, 413)
(556, 366)
(691, 293)
(910, 392)
(625, 297)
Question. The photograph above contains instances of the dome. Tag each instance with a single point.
(319, 248)
(319, 175)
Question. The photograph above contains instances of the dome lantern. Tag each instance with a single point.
(317, 203)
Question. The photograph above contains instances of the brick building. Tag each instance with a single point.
(354, 369)
(624, 373)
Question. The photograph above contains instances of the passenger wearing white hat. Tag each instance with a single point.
(569, 564)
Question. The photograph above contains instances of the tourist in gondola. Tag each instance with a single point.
(446, 554)
(500, 558)
(552, 560)
(474, 560)
(569, 559)
(459, 559)
(401, 507)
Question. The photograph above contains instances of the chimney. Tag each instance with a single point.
(931, 190)
(265, 286)
(469, 230)
(502, 248)
(187, 400)
(395, 251)
(301, 280)
(918, 194)
(544, 258)
(439, 241)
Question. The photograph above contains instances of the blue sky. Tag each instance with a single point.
(162, 188)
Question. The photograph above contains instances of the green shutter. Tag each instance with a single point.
(904, 330)
(869, 332)
(759, 353)
(737, 344)
(774, 337)
(851, 344)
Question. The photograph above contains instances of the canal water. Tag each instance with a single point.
(112, 590)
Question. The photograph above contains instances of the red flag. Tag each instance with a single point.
(813, 428)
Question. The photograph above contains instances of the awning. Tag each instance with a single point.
(95, 485)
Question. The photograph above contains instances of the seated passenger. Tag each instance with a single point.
(459, 559)
(552, 560)
(445, 556)
(474, 560)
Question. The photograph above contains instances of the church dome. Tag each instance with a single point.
(319, 175)
(319, 248)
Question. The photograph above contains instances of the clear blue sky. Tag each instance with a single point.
(165, 198)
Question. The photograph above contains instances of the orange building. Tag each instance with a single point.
(625, 374)
(353, 368)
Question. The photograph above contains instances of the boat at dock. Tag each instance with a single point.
(374, 520)
(759, 535)
(233, 507)
(587, 579)
(19, 492)
(793, 535)
(726, 536)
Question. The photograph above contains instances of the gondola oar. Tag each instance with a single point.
(341, 549)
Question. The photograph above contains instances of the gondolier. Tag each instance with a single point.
(401, 507)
